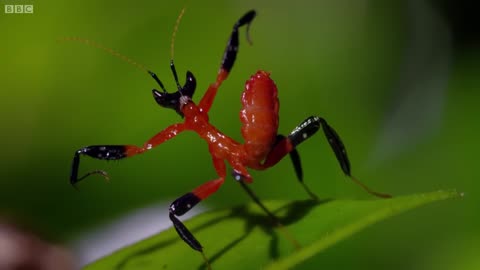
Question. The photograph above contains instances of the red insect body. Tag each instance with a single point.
(259, 117)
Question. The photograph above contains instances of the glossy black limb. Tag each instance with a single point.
(295, 157)
(155, 77)
(337, 145)
(297, 164)
(231, 50)
(179, 207)
(309, 127)
(105, 152)
(282, 142)
(175, 76)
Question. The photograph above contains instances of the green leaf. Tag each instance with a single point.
(244, 237)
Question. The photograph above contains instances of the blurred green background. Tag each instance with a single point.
(397, 79)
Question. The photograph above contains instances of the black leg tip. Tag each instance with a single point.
(248, 17)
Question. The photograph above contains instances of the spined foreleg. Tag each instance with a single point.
(186, 202)
(115, 152)
(228, 59)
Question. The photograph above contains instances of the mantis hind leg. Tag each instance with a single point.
(306, 129)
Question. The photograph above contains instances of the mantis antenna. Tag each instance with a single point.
(172, 49)
(106, 49)
(175, 29)
(132, 62)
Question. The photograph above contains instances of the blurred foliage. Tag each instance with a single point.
(336, 59)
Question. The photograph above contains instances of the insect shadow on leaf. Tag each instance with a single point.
(290, 213)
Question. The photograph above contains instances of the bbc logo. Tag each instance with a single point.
(18, 8)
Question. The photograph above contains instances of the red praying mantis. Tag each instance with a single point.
(263, 147)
